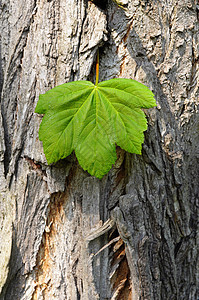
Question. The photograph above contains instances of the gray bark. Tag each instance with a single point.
(133, 234)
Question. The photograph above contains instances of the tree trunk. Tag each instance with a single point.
(133, 234)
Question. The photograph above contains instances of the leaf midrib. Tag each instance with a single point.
(123, 91)
(57, 142)
(117, 113)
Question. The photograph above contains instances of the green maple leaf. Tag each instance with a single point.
(91, 119)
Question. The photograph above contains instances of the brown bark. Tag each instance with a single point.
(133, 234)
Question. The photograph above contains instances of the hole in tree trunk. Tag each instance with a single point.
(100, 3)
(119, 271)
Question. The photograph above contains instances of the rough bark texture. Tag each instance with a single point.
(53, 240)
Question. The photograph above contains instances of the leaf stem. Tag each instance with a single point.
(97, 68)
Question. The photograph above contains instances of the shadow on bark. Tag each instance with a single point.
(14, 285)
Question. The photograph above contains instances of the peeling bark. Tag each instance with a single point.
(133, 234)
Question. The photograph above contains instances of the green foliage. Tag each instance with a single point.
(90, 119)
(120, 4)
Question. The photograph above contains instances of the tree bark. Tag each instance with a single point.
(63, 233)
